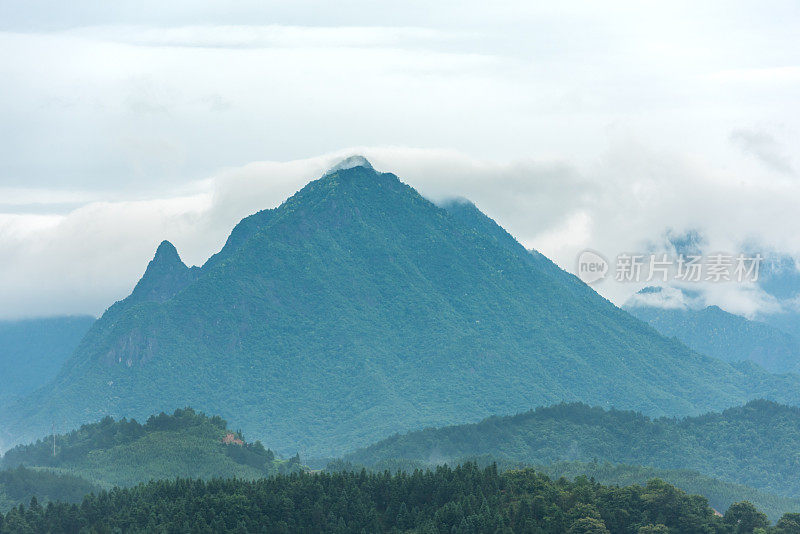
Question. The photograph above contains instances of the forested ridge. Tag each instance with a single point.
(125, 452)
(466, 499)
(715, 332)
(755, 445)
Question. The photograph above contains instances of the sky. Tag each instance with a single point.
(608, 126)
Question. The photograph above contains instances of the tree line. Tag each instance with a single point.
(464, 499)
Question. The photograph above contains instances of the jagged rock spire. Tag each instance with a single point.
(166, 274)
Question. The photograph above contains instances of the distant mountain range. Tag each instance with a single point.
(780, 280)
(715, 332)
(33, 350)
(358, 308)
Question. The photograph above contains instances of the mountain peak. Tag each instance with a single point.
(166, 253)
(165, 276)
(359, 283)
(350, 162)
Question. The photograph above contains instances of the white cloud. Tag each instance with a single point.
(86, 259)
(270, 36)
(667, 297)
(763, 146)
(574, 124)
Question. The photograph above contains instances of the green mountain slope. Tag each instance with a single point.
(723, 335)
(33, 350)
(19, 485)
(358, 308)
(124, 453)
(755, 444)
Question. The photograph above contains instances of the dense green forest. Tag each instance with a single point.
(124, 452)
(756, 445)
(462, 500)
(359, 308)
(18, 485)
(33, 350)
(720, 494)
(715, 332)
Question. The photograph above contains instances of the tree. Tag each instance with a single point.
(654, 529)
(588, 525)
(789, 524)
(744, 518)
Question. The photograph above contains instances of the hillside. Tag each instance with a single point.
(465, 499)
(715, 332)
(33, 350)
(19, 485)
(720, 494)
(754, 445)
(779, 279)
(357, 308)
(124, 453)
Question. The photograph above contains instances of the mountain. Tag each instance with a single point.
(723, 335)
(33, 350)
(124, 453)
(779, 279)
(465, 499)
(358, 308)
(753, 444)
(777, 287)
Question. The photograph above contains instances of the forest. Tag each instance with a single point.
(720, 494)
(465, 499)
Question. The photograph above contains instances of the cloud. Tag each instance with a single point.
(135, 95)
(666, 297)
(272, 36)
(764, 147)
(85, 259)
(575, 125)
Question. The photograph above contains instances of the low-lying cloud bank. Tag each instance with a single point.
(82, 260)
